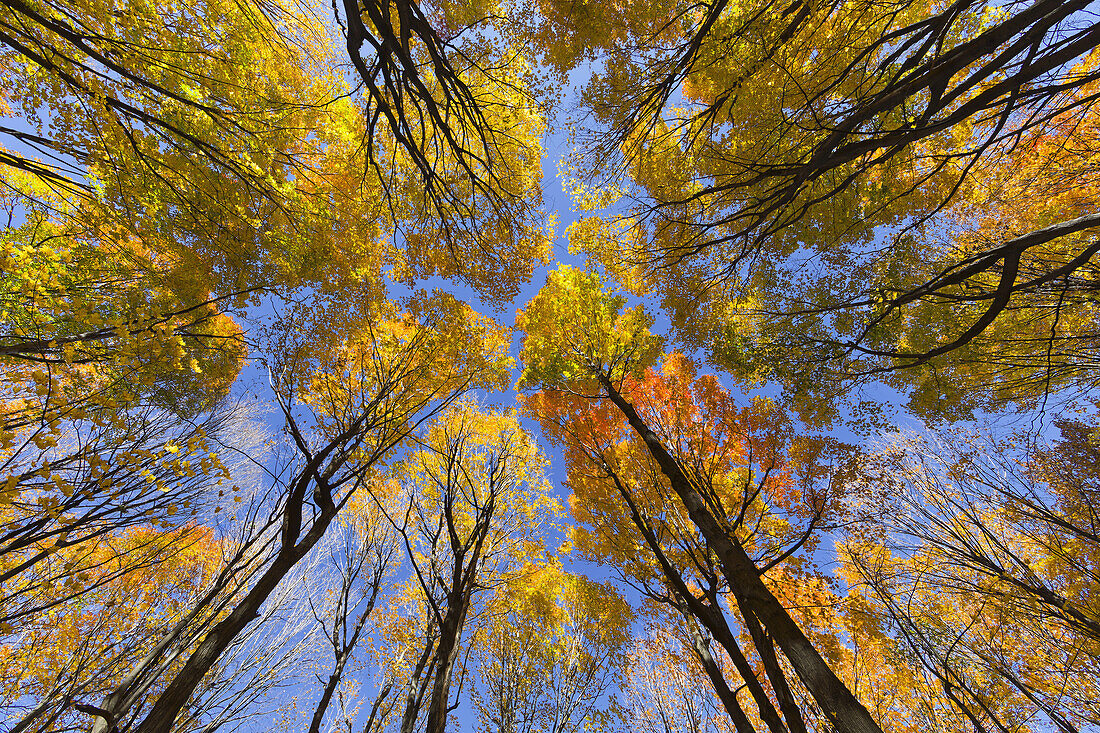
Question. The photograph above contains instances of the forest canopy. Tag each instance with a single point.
(531, 366)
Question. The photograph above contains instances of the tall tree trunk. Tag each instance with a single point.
(162, 716)
(338, 672)
(775, 673)
(447, 652)
(708, 614)
(710, 666)
(838, 703)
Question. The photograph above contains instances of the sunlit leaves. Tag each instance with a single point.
(553, 655)
(574, 331)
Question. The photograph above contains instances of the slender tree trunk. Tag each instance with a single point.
(708, 614)
(775, 673)
(418, 682)
(143, 675)
(710, 666)
(721, 632)
(376, 708)
(162, 716)
(447, 653)
(338, 672)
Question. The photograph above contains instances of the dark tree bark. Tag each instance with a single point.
(838, 703)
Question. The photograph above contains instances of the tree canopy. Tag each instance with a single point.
(794, 427)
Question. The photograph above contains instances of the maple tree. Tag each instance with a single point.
(588, 356)
(468, 504)
(153, 198)
(822, 194)
(108, 596)
(985, 564)
(149, 597)
(859, 86)
(554, 655)
(1004, 317)
(774, 493)
(133, 588)
(363, 400)
(116, 266)
(151, 112)
(92, 489)
(358, 402)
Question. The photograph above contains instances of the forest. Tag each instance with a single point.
(550, 366)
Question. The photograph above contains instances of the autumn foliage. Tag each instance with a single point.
(799, 432)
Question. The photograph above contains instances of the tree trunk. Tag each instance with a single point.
(838, 703)
(710, 666)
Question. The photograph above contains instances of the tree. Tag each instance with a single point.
(1010, 260)
(365, 555)
(185, 188)
(554, 655)
(821, 195)
(578, 343)
(97, 499)
(76, 652)
(791, 175)
(776, 493)
(860, 86)
(117, 287)
(151, 111)
(985, 569)
(666, 687)
(64, 504)
(470, 504)
(150, 597)
(143, 508)
(362, 400)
